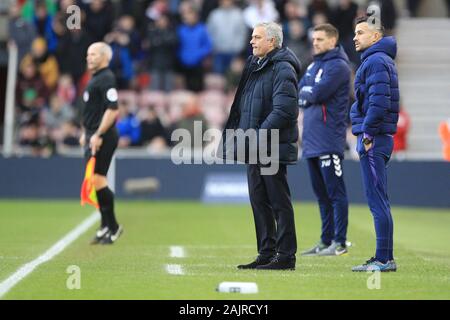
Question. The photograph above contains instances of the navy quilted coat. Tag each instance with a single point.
(377, 95)
(267, 98)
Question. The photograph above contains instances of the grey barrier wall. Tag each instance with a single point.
(410, 183)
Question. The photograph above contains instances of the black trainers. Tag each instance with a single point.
(99, 235)
(260, 260)
(279, 263)
(110, 237)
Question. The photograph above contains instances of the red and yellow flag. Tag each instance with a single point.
(88, 194)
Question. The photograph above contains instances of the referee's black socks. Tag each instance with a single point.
(106, 201)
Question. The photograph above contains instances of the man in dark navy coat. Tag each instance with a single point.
(374, 117)
(266, 101)
(324, 97)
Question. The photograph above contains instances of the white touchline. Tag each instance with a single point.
(26, 269)
(174, 269)
(177, 252)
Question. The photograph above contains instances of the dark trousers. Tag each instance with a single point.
(272, 211)
(193, 77)
(327, 180)
(373, 167)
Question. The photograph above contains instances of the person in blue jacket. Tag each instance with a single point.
(194, 46)
(324, 97)
(374, 117)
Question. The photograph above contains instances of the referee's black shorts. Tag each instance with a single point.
(105, 153)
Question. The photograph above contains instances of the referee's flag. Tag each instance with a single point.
(88, 194)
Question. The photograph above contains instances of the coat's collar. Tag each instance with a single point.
(264, 61)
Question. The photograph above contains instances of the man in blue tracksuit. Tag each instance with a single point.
(374, 117)
(324, 97)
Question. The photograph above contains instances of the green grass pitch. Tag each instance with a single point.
(216, 238)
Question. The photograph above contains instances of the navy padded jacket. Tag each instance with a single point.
(377, 95)
(324, 95)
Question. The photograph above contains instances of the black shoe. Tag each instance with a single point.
(110, 237)
(99, 235)
(260, 260)
(279, 263)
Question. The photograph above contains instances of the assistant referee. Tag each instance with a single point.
(100, 137)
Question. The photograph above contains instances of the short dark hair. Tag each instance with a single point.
(329, 29)
(362, 19)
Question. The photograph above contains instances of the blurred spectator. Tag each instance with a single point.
(444, 132)
(401, 136)
(61, 17)
(388, 14)
(29, 8)
(99, 19)
(260, 11)
(280, 5)
(71, 53)
(128, 127)
(54, 118)
(31, 135)
(318, 18)
(295, 11)
(227, 41)
(297, 41)
(21, 32)
(156, 9)
(127, 24)
(413, 6)
(31, 92)
(153, 133)
(58, 113)
(316, 7)
(184, 109)
(343, 17)
(43, 22)
(295, 31)
(207, 7)
(195, 46)
(65, 89)
(121, 63)
(162, 42)
(45, 62)
(187, 115)
(70, 135)
(233, 75)
(213, 108)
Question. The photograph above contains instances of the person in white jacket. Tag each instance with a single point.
(228, 32)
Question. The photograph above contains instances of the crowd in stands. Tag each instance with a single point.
(175, 61)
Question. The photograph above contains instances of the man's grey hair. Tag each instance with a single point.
(273, 30)
(104, 49)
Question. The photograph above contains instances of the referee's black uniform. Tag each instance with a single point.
(100, 95)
